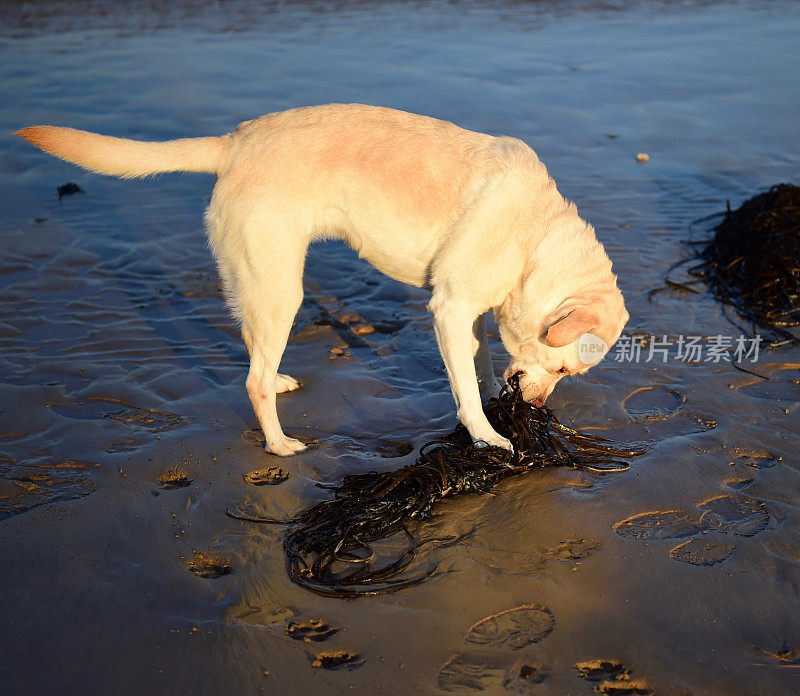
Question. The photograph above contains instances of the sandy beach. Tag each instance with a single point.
(119, 362)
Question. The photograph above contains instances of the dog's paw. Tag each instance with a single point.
(495, 440)
(285, 447)
(285, 383)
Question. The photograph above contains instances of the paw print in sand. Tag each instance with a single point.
(723, 514)
(495, 656)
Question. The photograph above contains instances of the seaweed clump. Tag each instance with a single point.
(327, 546)
(752, 262)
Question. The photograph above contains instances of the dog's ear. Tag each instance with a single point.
(570, 327)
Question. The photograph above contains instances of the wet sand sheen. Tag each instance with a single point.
(123, 408)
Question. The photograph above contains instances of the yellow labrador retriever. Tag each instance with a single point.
(474, 218)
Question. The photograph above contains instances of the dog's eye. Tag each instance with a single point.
(562, 371)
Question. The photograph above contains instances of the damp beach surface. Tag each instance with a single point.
(119, 365)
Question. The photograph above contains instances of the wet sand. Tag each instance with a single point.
(119, 364)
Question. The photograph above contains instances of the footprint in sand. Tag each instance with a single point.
(662, 524)
(513, 628)
(317, 631)
(570, 551)
(310, 630)
(755, 459)
(480, 672)
(267, 614)
(566, 553)
(28, 484)
(488, 662)
(522, 678)
(650, 408)
(702, 551)
(128, 444)
(95, 408)
(339, 659)
(611, 677)
(209, 565)
(469, 672)
(740, 516)
(146, 420)
(255, 436)
(174, 478)
(738, 483)
(725, 514)
(600, 670)
(270, 476)
(652, 404)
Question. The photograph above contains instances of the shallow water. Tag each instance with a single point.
(119, 361)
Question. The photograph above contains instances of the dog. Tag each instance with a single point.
(474, 218)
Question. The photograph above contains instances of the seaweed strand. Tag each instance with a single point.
(329, 545)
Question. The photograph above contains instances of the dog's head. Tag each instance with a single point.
(566, 339)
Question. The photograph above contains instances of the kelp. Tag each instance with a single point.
(328, 546)
(751, 262)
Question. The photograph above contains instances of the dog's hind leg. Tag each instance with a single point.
(269, 340)
(269, 290)
(284, 383)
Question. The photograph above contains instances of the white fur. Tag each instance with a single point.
(474, 218)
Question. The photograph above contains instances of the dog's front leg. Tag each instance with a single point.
(453, 322)
(487, 383)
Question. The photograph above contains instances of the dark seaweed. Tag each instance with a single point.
(752, 262)
(328, 545)
(68, 189)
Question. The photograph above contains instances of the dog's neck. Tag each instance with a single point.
(566, 268)
(569, 263)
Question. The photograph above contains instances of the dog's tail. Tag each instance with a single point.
(128, 158)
